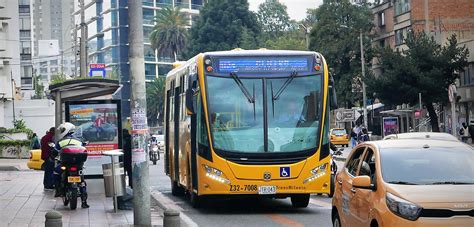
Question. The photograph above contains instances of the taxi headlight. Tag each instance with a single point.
(215, 174)
(317, 172)
(403, 208)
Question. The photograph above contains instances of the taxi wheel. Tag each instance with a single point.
(300, 201)
(336, 221)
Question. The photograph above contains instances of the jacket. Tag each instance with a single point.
(45, 149)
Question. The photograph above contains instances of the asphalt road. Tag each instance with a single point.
(248, 212)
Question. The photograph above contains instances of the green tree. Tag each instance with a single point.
(335, 34)
(273, 18)
(39, 88)
(220, 26)
(287, 42)
(426, 67)
(58, 78)
(155, 96)
(169, 33)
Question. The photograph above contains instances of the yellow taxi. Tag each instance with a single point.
(35, 161)
(406, 182)
(339, 136)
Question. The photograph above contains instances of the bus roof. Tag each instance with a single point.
(258, 52)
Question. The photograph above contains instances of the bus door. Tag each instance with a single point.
(177, 105)
(167, 131)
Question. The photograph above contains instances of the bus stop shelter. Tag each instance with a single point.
(81, 89)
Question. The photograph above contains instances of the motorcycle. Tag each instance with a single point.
(71, 160)
(154, 153)
(334, 170)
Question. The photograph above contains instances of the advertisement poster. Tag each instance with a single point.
(98, 123)
(390, 125)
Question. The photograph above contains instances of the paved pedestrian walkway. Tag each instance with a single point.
(24, 202)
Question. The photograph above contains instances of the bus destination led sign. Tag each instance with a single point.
(288, 64)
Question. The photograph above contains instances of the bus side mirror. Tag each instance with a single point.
(332, 93)
(190, 95)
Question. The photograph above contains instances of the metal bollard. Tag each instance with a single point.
(53, 219)
(171, 218)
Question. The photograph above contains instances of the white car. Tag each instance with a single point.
(422, 135)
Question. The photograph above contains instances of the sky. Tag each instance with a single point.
(296, 8)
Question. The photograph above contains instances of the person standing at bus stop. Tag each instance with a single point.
(48, 157)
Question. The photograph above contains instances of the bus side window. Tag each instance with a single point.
(201, 124)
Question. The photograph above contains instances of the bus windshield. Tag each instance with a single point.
(291, 107)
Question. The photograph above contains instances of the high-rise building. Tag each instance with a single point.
(53, 26)
(26, 66)
(10, 78)
(107, 39)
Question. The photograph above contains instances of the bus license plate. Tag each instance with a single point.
(74, 179)
(266, 190)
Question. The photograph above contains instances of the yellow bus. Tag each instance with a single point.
(249, 123)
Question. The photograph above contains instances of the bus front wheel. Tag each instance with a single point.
(195, 200)
(300, 201)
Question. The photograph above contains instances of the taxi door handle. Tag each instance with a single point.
(353, 190)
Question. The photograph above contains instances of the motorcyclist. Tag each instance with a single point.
(153, 140)
(67, 138)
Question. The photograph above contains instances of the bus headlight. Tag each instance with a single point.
(317, 172)
(215, 174)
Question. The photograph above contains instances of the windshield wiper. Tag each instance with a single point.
(250, 98)
(452, 182)
(283, 87)
(401, 182)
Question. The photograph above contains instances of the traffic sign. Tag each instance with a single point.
(97, 70)
(345, 115)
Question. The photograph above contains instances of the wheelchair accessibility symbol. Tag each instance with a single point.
(285, 171)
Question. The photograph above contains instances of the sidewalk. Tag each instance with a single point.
(24, 202)
(7, 164)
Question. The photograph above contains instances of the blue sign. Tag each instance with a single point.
(97, 70)
(285, 171)
(264, 64)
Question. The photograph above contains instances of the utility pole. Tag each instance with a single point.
(13, 95)
(364, 95)
(141, 186)
(427, 28)
(83, 41)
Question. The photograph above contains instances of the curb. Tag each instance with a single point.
(10, 168)
(165, 203)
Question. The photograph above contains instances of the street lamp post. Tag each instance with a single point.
(306, 32)
(362, 62)
(364, 95)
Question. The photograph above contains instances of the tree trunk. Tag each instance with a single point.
(433, 117)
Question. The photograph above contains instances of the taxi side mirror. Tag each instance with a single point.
(362, 182)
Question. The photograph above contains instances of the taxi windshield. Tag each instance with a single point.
(428, 166)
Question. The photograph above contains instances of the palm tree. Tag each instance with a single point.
(169, 33)
(155, 96)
